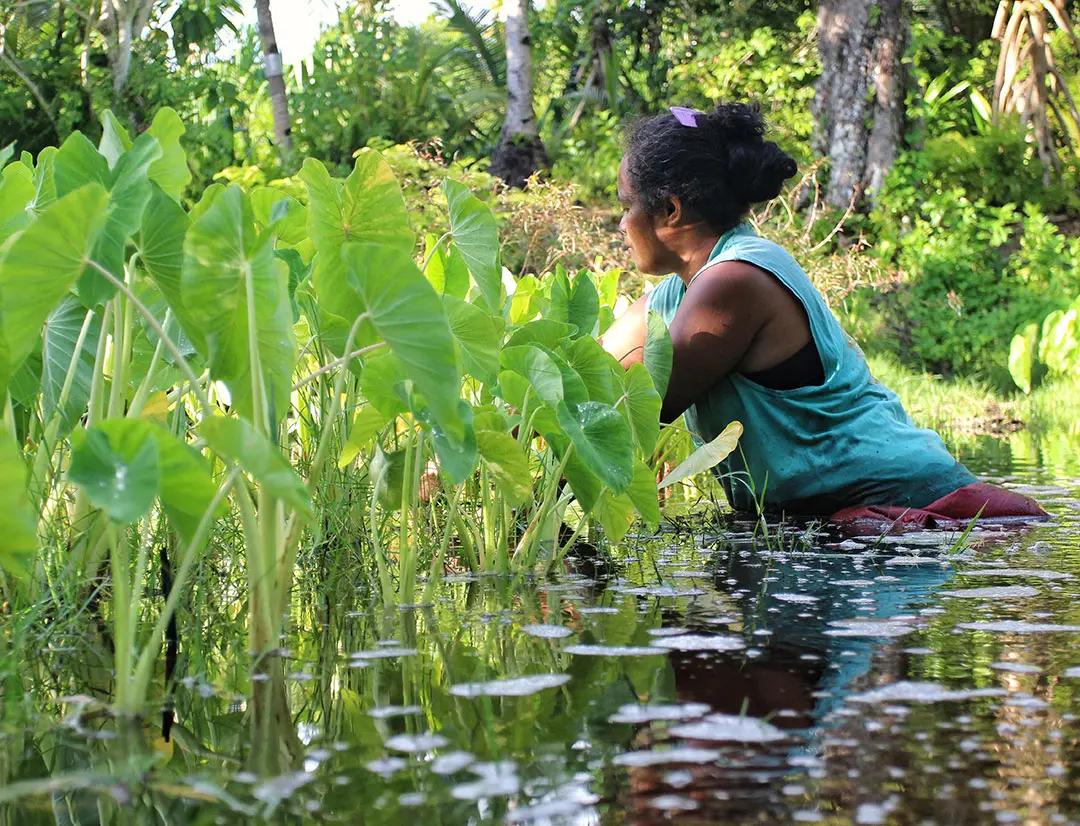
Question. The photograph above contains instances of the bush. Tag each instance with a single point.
(972, 274)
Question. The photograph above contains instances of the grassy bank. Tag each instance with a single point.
(970, 406)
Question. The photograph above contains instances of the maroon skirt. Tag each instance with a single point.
(976, 500)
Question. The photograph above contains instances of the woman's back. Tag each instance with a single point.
(818, 448)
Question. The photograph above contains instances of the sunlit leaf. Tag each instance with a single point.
(506, 464)
(476, 337)
(457, 456)
(388, 474)
(115, 140)
(642, 492)
(170, 171)
(446, 269)
(706, 457)
(642, 405)
(658, 352)
(552, 334)
(559, 296)
(39, 267)
(236, 439)
(596, 367)
(584, 304)
(409, 317)
(367, 424)
(225, 263)
(18, 528)
(477, 239)
(1022, 356)
(16, 193)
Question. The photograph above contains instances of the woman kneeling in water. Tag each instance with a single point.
(755, 342)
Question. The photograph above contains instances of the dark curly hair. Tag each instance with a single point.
(717, 169)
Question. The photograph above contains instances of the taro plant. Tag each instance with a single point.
(294, 371)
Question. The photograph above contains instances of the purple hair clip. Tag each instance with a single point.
(687, 117)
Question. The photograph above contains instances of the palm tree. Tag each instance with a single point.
(275, 75)
(520, 152)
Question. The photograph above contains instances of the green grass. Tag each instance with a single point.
(967, 406)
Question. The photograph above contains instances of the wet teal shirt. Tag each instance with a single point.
(814, 450)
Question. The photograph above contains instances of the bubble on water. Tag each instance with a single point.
(614, 651)
(998, 592)
(387, 766)
(907, 691)
(512, 687)
(901, 561)
(633, 713)
(868, 628)
(659, 591)
(673, 803)
(1016, 668)
(412, 799)
(729, 728)
(700, 642)
(665, 757)
(452, 762)
(1072, 673)
(385, 712)
(547, 812)
(1017, 627)
(280, 788)
(807, 816)
(388, 653)
(597, 609)
(666, 632)
(853, 583)
(1021, 700)
(547, 632)
(871, 814)
(496, 780)
(800, 599)
(416, 743)
(1033, 573)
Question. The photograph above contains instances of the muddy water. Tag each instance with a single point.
(729, 676)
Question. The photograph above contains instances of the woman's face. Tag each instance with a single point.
(651, 256)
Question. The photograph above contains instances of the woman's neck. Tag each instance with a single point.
(695, 254)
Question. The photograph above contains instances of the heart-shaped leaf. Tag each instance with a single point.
(477, 239)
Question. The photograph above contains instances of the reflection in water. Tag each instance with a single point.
(732, 680)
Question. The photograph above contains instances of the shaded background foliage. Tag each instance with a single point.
(970, 234)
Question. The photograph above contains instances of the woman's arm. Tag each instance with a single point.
(625, 338)
(712, 330)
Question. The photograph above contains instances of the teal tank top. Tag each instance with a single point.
(814, 450)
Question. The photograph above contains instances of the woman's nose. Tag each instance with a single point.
(622, 224)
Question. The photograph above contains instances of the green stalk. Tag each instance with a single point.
(121, 602)
(440, 555)
(142, 393)
(404, 546)
(149, 653)
(385, 583)
(529, 537)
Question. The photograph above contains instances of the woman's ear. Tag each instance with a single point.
(674, 214)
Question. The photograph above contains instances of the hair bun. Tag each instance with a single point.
(758, 172)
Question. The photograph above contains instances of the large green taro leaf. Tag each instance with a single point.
(237, 440)
(602, 442)
(658, 352)
(641, 404)
(115, 140)
(18, 531)
(77, 163)
(584, 304)
(62, 330)
(39, 266)
(707, 456)
(160, 243)
(559, 296)
(550, 375)
(184, 484)
(552, 334)
(477, 239)
(408, 315)
(613, 511)
(596, 367)
(16, 193)
(506, 465)
(457, 457)
(474, 331)
(231, 283)
(446, 269)
(124, 484)
(642, 492)
(367, 207)
(170, 171)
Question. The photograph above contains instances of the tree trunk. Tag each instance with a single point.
(275, 75)
(520, 152)
(859, 106)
